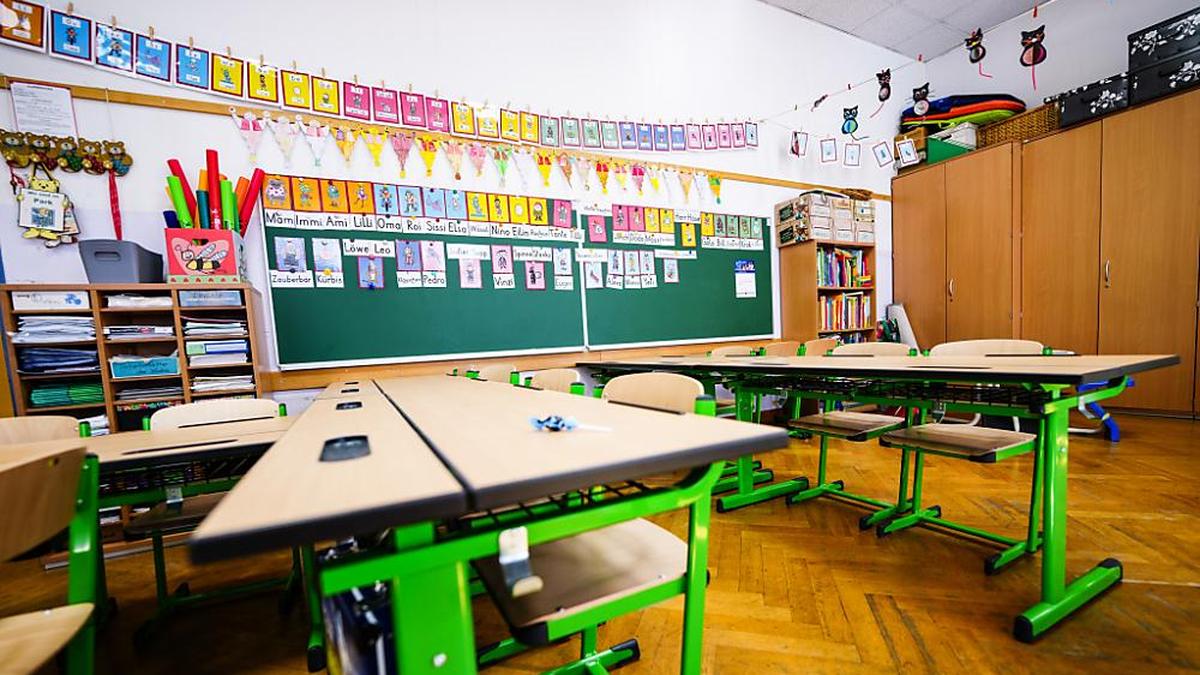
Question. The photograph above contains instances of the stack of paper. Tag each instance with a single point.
(131, 300)
(99, 424)
(42, 360)
(222, 383)
(35, 329)
(212, 327)
(217, 352)
(138, 331)
(166, 391)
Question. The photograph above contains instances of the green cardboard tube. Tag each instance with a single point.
(202, 208)
(179, 202)
(229, 216)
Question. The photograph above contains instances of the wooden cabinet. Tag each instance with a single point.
(919, 251)
(1060, 243)
(980, 190)
(1149, 243)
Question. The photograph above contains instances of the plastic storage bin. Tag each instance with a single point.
(216, 298)
(126, 366)
(113, 261)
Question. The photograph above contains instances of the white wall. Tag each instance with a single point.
(675, 59)
(1085, 42)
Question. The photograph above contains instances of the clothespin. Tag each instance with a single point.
(191, 42)
(514, 562)
(113, 20)
(150, 32)
(410, 87)
(322, 72)
(261, 60)
(356, 78)
(70, 8)
(228, 51)
(294, 65)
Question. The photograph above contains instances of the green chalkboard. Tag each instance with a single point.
(702, 305)
(320, 326)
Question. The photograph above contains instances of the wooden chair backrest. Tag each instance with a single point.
(497, 372)
(213, 412)
(986, 347)
(35, 428)
(819, 346)
(37, 495)
(785, 348)
(732, 350)
(555, 379)
(873, 348)
(666, 391)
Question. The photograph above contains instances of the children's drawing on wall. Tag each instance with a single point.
(470, 273)
(370, 272)
(433, 256)
(290, 255)
(535, 276)
(327, 256)
(502, 262)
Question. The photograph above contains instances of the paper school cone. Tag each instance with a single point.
(602, 175)
(654, 176)
(544, 164)
(188, 195)
(621, 172)
(374, 140)
(454, 153)
(228, 207)
(428, 149)
(402, 144)
(639, 176)
(175, 190)
(714, 184)
(564, 165)
(685, 182)
(501, 154)
(477, 152)
(214, 188)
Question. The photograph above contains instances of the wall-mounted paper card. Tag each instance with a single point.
(596, 231)
(687, 235)
(333, 196)
(435, 202)
(828, 150)
(562, 261)
(297, 89)
(24, 26)
(533, 253)
(530, 132)
(356, 101)
(262, 82)
(518, 209)
(632, 262)
(739, 135)
(497, 208)
(633, 281)
(535, 276)
(651, 219)
(724, 136)
(510, 125)
(410, 200)
(566, 283)
(628, 136)
(570, 132)
(362, 196)
(152, 58)
(470, 273)
(591, 133)
(437, 114)
(666, 220)
(551, 132)
(744, 227)
(433, 256)
(593, 275)
(372, 248)
(710, 137)
(477, 206)
(637, 219)
(71, 38)
(502, 259)
(385, 200)
(433, 279)
(562, 213)
(678, 137)
(456, 204)
(306, 194)
(610, 138)
(616, 262)
(504, 281)
(645, 137)
(327, 255)
(719, 224)
(412, 109)
(385, 105)
(695, 140)
(671, 270)
(461, 251)
(408, 279)
(370, 272)
(852, 155)
(882, 152)
(408, 256)
(662, 138)
(615, 281)
(751, 134)
(707, 227)
(907, 151)
(326, 96)
(647, 262)
(114, 49)
(487, 122)
(620, 217)
(538, 213)
(290, 255)
(464, 118)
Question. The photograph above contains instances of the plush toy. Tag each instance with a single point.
(93, 160)
(115, 158)
(15, 149)
(67, 154)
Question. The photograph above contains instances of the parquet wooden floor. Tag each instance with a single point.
(799, 589)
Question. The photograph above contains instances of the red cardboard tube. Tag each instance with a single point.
(189, 195)
(214, 188)
(251, 197)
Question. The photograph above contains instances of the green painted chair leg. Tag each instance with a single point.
(730, 482)
(499, 651)
(997, 561)
(316, 620)
(907, 521)
(761, 494)
(602, 662)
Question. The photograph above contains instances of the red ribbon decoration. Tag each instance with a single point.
(114, 203)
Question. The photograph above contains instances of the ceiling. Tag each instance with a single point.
(914, 28)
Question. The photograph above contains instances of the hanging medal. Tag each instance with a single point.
(402, 143)
(251, 130)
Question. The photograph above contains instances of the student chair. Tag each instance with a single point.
(971, 443)
(854, 426)
(818, 347)
(184, 515)
(732, 350)
(36, 428)
(565, 380)
(41, 493)
(784, 348)
(496, 372)
(596, 576)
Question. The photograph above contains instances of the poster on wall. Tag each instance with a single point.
(745, 280)
(43, 109)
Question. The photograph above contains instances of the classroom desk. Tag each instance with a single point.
(442, 447)
(1043, 388)
(348, 388)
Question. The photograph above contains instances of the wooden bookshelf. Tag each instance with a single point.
(803, 291)
(105, 316)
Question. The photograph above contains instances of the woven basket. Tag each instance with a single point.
(1040, 120)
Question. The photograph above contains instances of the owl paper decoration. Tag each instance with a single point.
(850, 121)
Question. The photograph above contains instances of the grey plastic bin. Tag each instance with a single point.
(111, 261)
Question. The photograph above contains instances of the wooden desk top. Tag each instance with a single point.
(482, 431)
(1069, 370)
(132, 448)
(348, 388)
(291, 497)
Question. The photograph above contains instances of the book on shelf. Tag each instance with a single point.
(42, 329)
(138, 331)
(139, 301)
(218, 359)
(206, 384)
(196, 347)
(845, 311)
(841, 267)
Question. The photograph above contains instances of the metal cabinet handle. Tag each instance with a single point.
(950, 288)
(1108, 274)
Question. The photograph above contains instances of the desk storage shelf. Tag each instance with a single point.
(236, 301)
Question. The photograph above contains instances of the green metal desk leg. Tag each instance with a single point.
(316, 619)
(747, 493)
(432, 612)
(85, 567)
(697, 585)
(1060, 599)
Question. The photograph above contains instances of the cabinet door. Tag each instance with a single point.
(1150, 238)
(919, 252)
(1060, 239)
(979, 245)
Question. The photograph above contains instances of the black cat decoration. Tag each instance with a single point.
(921, 100)
(885, 84)
(974, 44)
(1033, 52)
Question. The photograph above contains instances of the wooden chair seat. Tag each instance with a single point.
(166, 519)
(977, 444)
(585, 570)
(29, 641)
(852, 426)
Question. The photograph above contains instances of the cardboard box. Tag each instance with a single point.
(33, 300)
(843, 235)
(864, 233)
(864, 211)
(203, 256)
(822, 233)
(791, 222)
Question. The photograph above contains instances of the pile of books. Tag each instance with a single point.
(217, 352)
(47, 360)
(212, 327)
(203, 384)
(46, 395)
(138, 331)
(136, 393)
(39, 329)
